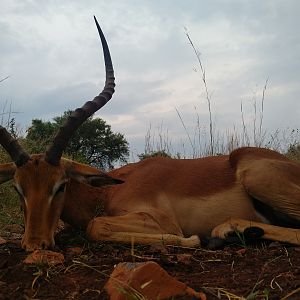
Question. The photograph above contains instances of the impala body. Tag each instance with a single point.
(158, 199)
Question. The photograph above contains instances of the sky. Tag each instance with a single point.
(51, 52)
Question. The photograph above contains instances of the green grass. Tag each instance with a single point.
(10, 212)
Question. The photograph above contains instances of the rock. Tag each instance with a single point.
(44, 257)
(2, 241)
(146, 279)
(241, 251)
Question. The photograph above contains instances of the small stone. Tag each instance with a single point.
(44, 257)
(146, 279)
(241, 251)
(2, 241)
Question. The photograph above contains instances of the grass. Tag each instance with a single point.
(205, 139)
(10, 212)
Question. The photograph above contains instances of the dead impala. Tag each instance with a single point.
(161, 199)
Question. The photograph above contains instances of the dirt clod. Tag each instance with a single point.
(44, 257)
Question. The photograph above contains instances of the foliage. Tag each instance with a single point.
(39, 135)
(9, 205)
(293, 152)
(10, 212)
(161, 153)
(93, 142)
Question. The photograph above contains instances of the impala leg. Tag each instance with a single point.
(271, 232)
(140, 228)
(274, 186)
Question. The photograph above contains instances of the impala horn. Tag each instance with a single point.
(65, 132)
(13, 148)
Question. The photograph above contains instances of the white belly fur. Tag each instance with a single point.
(199, 215)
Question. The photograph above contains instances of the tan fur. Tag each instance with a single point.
(161, 198)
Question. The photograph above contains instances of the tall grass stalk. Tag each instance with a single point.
(203, 77)
(262, 107)
(157, 140)
(1, 80)
(186, 131)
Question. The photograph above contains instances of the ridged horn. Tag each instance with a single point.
(13, 148)
(65, 132)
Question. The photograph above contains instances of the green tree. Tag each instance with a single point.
(93, 142)
(39, 135)
(159, 153)
(293, 152)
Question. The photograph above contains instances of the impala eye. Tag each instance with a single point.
(61, 188)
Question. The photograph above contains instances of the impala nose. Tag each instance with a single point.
(32, 244)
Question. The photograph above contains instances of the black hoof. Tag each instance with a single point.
(253, 233)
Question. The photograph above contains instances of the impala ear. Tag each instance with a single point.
(96, 180)
(101, 180)
(7, 172)
(89, 175)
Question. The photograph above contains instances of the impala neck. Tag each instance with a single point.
(78, 210)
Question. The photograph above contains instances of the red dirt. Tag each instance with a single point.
(264, 271)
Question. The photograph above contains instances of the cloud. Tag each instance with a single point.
(52, 53)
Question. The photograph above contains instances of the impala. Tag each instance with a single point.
(158, 199)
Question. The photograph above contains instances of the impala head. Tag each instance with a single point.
(40, 179)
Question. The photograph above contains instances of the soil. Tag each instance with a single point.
(258, 271)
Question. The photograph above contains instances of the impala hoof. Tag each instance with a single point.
(222, 231)
(253, 233)
(37, 244)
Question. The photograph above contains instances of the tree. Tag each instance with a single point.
(93, 142)
(293, 152)
(159, 153)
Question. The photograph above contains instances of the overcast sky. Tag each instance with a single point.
(51, 51)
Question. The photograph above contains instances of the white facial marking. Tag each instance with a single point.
(58, 185)
(20, 191)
